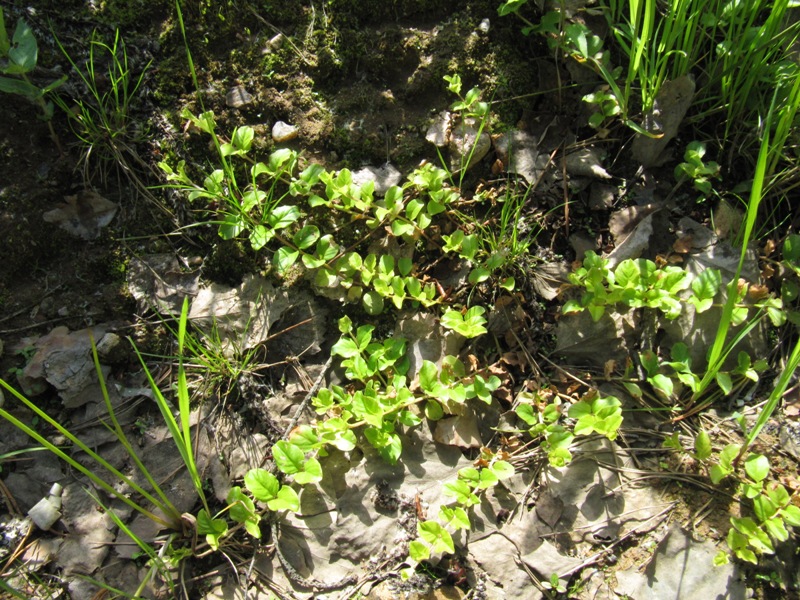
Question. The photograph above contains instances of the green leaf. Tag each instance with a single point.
(661, 383)
(461, 492)
(791, 515)
(721, 558)
(213, 529)
(428, 376)
(304, 437)
(346, 348)
(724, 382)
(757, 467)
(707, 284)
(242, 510)
(502, 469)
(345, 324)
(419, 551)
(284, 258)
(242, 139)
(373, 303)
(306, 237)
(478, 275)
(19, 87)
(702, 445)
(287, 499)
(23, 52)
(455, 517)
(791, 249)
(508, 284)
(311, 473)
(433, 410)
(776, 529)
(288, 457)
(717, 474)
(262, 484)
(436, 536)
(527, 414)
(283, 216)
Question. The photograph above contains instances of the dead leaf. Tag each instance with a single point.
(83, 214)
(461, 431)
(608, 368)
(683, 244)
(757, 292)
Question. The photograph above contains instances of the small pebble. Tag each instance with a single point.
(484, 26)
(283, 132)
(237, 97)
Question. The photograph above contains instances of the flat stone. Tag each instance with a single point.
(438, 133)
(685, 568)
(384, 177)
(237, 97)
(586, 163)
(283, 132)
(467, 146)
(83, 215)
(669, 108)
(519, 153)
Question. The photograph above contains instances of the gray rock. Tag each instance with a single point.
(601, 196)
(64, 360)
(83, 215)
(669, 108)
(682, 568)
(586, 163)
(237, 97)
(438, 133)
(112, 350)
(519, 152)
(384, 177)
(467, 146)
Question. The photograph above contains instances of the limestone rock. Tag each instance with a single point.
(283, 132)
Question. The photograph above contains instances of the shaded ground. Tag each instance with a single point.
(362, 82)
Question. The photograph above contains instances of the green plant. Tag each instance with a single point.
(662, 375)
(243, 207)
(634, 283)
(19, 56)
(160, 501)
(471, 112)
(697, 171)
(434, 537)
(102, 121)
(592, 414)
(152, 503)
(773, 510)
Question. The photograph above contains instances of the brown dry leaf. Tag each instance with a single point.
(608, 368)
(461, 431)
(757, 292)
(684, 244)
(769, 247)
(83, 214)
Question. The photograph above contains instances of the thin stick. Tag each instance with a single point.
(314, 389)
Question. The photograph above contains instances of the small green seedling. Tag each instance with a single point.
(699, 172)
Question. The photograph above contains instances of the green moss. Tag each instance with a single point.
(229, 262)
